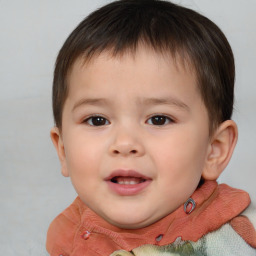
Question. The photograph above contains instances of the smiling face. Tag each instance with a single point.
(134, 137)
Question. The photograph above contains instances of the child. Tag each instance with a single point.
(142, 101)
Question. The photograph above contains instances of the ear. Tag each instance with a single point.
(221, 147)
(59, 146)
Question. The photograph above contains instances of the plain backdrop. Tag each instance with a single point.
(32, 190)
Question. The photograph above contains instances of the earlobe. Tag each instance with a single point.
(220, 150)
(59, 146)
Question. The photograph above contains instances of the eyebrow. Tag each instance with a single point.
(166, 101)
(89, 101)
(142, 101)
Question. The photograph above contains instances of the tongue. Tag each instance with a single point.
(128, 180)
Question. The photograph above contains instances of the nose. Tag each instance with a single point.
(126, 143)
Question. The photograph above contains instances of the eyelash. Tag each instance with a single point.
(96, 118)
(102, 121)
(163, 119)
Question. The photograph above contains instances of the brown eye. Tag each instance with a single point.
(159, 120)
(97, 121)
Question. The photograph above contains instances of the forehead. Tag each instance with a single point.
(142, 57)
(141, 74)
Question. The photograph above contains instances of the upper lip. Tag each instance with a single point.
(126, 173)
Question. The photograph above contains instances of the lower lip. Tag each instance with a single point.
(128, 190)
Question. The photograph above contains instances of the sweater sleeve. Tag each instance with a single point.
(62, 230)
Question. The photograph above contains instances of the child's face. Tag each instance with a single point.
(134, 136)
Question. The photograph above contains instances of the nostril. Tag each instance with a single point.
(134, 151)
(116, 152)
(126, 152)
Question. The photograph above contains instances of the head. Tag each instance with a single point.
(142, 101)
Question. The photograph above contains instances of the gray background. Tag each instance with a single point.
(32, 190)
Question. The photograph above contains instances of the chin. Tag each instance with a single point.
(134, 223)
(130, 225)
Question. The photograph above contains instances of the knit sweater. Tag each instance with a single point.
(219, 225)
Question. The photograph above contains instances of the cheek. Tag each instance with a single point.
(81, 154)
(180, 167)
(183, 153)
(83, 163)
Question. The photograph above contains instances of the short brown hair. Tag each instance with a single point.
(165, 27)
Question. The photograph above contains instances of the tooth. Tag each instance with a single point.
(128, 181)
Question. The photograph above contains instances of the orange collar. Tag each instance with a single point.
(215, 206)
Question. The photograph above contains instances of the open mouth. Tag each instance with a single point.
(127, 180)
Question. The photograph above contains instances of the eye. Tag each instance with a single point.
(159, 120)
(96, 121)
